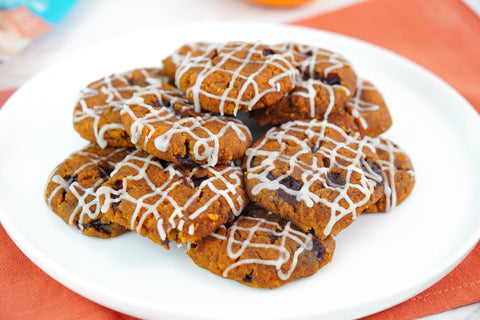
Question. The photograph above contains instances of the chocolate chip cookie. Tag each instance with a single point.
(260, 249)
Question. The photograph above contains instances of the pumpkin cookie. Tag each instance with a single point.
(96, 116)
(236, 76)
(71, 189)
(314, 174)
(168, 202)
(365, 113)
(398, 173)
(171, 63)
(261, 249)
(326, 81)
(173, 131)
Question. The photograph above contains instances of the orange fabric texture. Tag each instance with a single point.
(442, 36)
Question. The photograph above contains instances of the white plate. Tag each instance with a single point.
(381, 260)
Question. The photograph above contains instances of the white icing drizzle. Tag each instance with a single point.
(225, 183)
(356, 105)
(388, 168)
(87, 201)
(280, 61)
(206, 143)
(313, 172)
(116, 96)
(309, 58)
(235, 248)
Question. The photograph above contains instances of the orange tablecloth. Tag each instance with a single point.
(443, 36)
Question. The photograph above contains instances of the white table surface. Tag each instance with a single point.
(92, 21)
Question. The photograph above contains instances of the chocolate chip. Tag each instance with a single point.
(318, 250)
(230, 216)
(105, 172)
(291, 183)
(248, 277)
(159, 103)
(115, 205)
(335, 179)
(166, 103)
(309, 53)
(326, 162)
(185, 161)
(117, 185)
(267, 52)
(305, 76)
(273, 238)
(375, 166)
(99, 226)
(252, 162)
(332, 79)
(71, 179)
(197, 181)
(163, 163)
(166, 243)
(287, 197)
(369, 165)
(271, 176)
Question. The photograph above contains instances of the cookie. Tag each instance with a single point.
(171, 130)
(168, 202)
(326, 81)
(171, 63)
(366, 112)
(236, 76)
(261, 249)
(96, 116)
(314, 174)
(71, 189)
(398, 173)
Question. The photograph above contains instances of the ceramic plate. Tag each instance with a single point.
(381, 260)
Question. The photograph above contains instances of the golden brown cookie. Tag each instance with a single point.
(168, 202)
(71, 189)
(236, 76)
(365, 112)
(314, 174)
(171, 63)
(398, 173)
(173, 131)
(262, 250)
(325, 83)
(96, 116)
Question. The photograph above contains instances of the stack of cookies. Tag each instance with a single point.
(170, 160)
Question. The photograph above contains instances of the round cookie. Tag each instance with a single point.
(236, 76)
(314, 174)
(261, 249)
(171, 63)
(96, 116)
(365, 113)
(326, 81)
(398, 173)
(168, 202)
(71, 189)
(173, 131)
